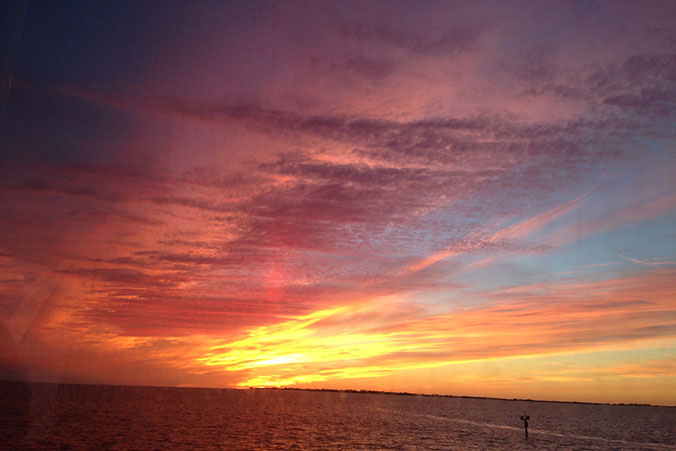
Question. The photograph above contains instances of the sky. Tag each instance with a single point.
(469, 198)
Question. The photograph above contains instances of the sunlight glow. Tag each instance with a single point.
(348, 342)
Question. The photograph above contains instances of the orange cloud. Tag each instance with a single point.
(354, 341)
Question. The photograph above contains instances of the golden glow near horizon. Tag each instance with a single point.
(350, 342)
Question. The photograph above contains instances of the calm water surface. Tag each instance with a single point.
(48, 416)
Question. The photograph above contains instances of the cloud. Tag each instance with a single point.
(448, 42)
(535, 223)
(641, 84)
(376, 338)
(635, 212)
(373, 69)
(387, 160)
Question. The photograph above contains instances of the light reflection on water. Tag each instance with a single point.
(104, 417)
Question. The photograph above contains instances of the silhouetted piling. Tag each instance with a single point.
(525, 419)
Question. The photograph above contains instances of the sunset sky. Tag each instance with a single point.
(470, 198)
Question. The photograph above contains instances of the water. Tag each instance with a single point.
(48, 416)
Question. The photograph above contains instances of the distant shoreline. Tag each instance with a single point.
(435, 395)
(336, 390)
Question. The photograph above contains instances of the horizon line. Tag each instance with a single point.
(347, 390)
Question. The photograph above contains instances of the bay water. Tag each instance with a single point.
(65, 416)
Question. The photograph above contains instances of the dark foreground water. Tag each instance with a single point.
(48, 416)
